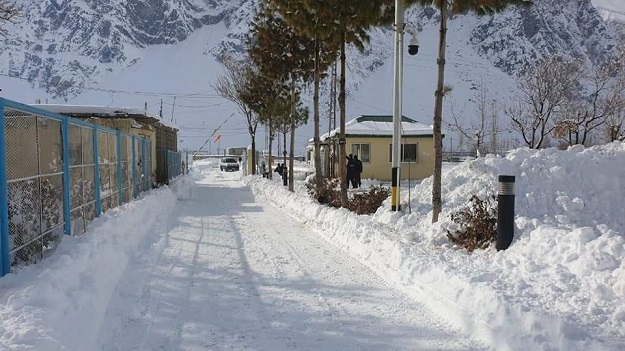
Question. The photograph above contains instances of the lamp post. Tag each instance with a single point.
(398, 73)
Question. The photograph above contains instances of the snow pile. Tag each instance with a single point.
(561, 285)
(59, 303)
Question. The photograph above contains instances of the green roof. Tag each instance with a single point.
(382, 118)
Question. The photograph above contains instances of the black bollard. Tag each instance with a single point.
(505, 212)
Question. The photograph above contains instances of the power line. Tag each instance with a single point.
(204, 94)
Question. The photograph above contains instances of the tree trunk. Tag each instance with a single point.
(253, 156)
(437, 203)
(269, 163)
(342, 155)
(284, 146)
(317, 159)
(291, 157)
(292, 146)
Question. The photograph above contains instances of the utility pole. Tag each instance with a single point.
(397, 105)
(173, 106)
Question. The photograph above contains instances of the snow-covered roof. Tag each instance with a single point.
(109, 111)
(381, 125)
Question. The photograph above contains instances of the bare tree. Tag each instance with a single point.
(593, 105)
(477, 130)
(546, 89)
(615, 124)
(8, 14)
(233, 86)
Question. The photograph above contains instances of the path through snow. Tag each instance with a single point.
(234, 273)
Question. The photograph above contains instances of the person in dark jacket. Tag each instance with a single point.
(351, 171)
(279, 169)
(358, 171)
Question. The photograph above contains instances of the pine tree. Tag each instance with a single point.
(292, 64)
(308, 18)
(336, 24)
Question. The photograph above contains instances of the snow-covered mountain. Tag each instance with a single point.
(134, 52)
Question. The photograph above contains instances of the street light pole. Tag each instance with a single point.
(397, 104)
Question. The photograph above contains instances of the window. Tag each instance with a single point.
(409, 152)
(362, 151)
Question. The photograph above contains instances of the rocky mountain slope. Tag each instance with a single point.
(63, 46)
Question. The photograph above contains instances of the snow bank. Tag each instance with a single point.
(59, 305)
(560, 286)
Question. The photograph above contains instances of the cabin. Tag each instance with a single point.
(370, 138)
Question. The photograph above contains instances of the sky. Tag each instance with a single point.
(224, 261)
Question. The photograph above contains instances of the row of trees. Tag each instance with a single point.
(562, 102)
(565, 100)
(291, 45)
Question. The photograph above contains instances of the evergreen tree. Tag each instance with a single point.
(293, 64)
(310, 21)
(337, 23)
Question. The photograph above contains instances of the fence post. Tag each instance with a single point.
(5, 265)
(120, 186)
(134, 168)
(186, 167)
(144, 164)
(66, 176)
(96, 180)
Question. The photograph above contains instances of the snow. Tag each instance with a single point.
(611, 9)
(100, 110)
(221, 261)
(366, 125)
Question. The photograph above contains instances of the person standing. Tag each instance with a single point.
(358, 171)
(351, 171)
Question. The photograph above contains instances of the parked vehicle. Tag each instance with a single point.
(229, 164)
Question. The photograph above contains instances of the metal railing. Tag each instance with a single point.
(57, 174)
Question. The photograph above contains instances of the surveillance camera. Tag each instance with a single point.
(413, 46)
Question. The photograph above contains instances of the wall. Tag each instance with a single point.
(379, 166)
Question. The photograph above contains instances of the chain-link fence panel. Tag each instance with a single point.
(139, 164)
(87, 146)
(37, 178)
(148, 158)
(82, 185)
(75, 142)
(34, 185)
(103, 152)
(126, 176)
(107, 154)
(112, 147)
(21, 145)
(50, 145)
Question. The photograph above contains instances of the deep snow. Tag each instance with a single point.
(223, 262)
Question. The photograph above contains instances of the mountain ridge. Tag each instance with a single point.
(66, 48)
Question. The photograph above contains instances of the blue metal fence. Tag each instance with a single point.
(173, 164)
(57, 174)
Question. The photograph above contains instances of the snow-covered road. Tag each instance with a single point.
(235, 273)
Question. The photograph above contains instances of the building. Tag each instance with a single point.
(163, 135)
(236, 151)
(370, 138)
